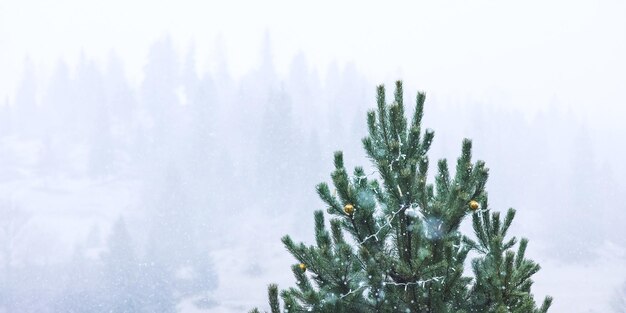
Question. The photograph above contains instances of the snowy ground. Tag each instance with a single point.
(579, 287)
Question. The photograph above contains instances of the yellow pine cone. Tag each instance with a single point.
(302, 266)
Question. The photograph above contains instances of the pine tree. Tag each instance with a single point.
(394, 243)
(619, 299)
(120, 269)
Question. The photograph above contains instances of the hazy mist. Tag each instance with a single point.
(152, 154)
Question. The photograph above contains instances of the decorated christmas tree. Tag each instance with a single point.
(394, 243)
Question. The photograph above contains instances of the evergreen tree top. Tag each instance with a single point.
(403, 251)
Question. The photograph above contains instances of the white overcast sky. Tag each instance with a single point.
(529, 52)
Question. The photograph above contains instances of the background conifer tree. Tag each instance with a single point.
(120, 271)
(394, 243)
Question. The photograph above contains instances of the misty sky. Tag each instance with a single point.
(528, 53)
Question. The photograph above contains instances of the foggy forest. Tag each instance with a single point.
(172, 194)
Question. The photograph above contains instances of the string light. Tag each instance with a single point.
(421, 283)
(413, 206)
